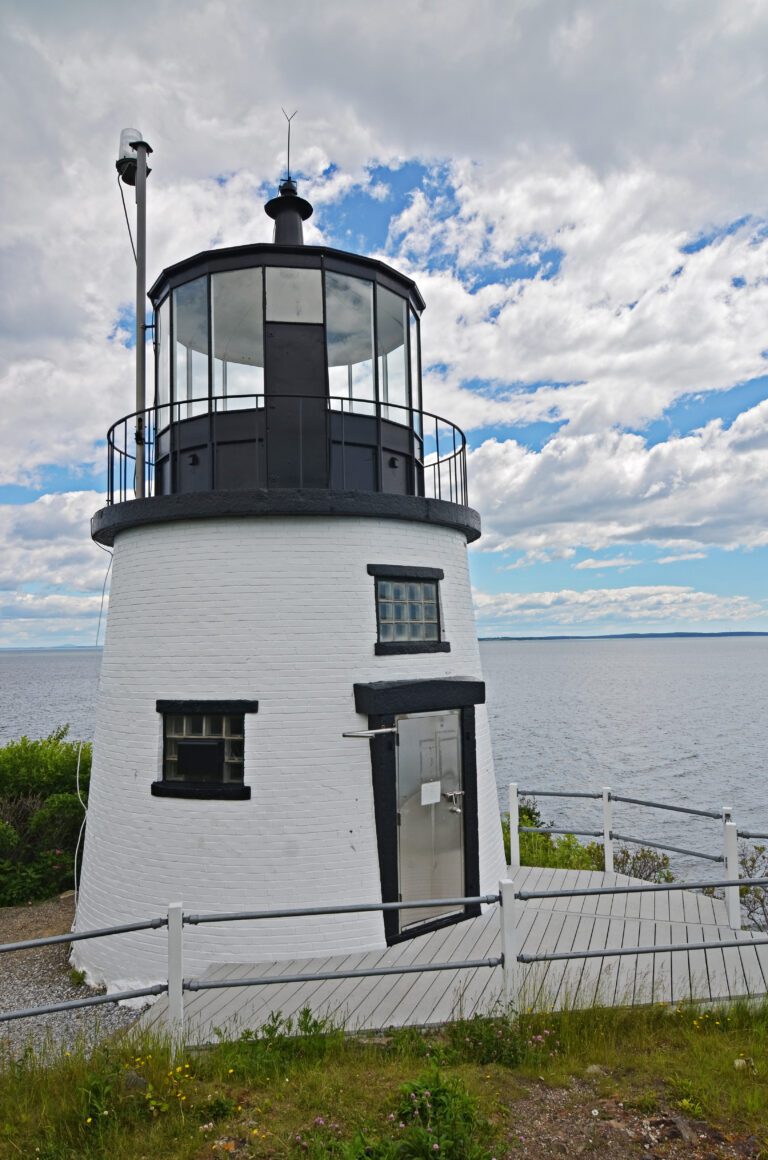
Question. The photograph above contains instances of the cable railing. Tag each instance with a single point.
(510, 903)
(331, 442)
(729, 856)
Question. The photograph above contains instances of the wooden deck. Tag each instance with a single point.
(545, 925)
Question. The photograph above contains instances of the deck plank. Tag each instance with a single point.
(544, 925)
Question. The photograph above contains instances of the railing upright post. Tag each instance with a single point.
(731, 858)
(510, 948)
(514, 823)
(176, 972)
(607, 823)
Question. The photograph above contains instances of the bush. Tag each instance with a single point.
(40, 815)
(568, 853)
(753, 863)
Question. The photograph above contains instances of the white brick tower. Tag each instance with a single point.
(294, 573)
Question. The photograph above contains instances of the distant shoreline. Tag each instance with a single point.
(562, 636)
(627, 636)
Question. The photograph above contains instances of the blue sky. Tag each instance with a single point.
(580, 194)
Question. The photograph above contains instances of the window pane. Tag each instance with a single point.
(214, 726)
(430, 631)
(193, 725)
(349, 339)
(430, 591)
(417, 632)
(399, 591)
(414, 612)
(385, 590)
(163, 373)
(391, 351)
(294, 295)
(190, 340)
(399, 611)
(430, 612)
(386, 611)
(238, 337)
(386, 631)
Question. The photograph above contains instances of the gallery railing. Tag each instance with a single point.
(318, 441)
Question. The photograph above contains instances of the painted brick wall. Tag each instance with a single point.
(280, 611)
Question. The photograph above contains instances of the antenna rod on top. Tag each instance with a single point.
(133, 170)
(289, 119)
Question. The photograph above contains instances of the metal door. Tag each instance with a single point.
(430, 795)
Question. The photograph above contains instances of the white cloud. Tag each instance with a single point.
(709, 488)
(617, 562)
(608, 133)
(632, 606)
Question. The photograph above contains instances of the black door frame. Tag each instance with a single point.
(383, 701)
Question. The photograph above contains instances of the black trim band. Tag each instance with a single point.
(201, 790)
(223, 707)
(385, 698)
(163, 509)
(392, 648)
(405, 572)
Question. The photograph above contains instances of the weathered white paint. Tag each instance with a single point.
(281, 611)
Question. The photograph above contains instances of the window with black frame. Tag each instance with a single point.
(203, 749)
(408, 617)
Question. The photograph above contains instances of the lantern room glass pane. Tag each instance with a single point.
(349, 339)
(237, 308)
(190, 341)
(163, 373)
(294, 295)
(391, 314)
(415, 376)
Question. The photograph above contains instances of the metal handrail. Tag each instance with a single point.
(444, 469)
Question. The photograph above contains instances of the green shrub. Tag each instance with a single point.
(40, 815)
(566, 852)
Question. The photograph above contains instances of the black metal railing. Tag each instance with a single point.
(297, 441)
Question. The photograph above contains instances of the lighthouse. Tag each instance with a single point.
(291, 709)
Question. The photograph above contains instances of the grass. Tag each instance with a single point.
(311, 1090)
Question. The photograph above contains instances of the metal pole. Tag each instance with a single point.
(514, 822)
(510, 948)
(142, 149)
(607, 822)
(175, 1014)
(731, 855)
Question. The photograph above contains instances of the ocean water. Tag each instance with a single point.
(677, 720)
(42, 689)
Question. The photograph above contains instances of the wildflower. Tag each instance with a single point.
(228, 1073)
(391, 1116)
(594, 1112)
(320, 1120)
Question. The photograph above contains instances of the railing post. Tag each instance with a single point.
(607, 823)
(509, 942)
(176, 972)
(514, 822)
(731, 858)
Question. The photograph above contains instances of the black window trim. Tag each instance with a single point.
(201, 790)
(384, 648)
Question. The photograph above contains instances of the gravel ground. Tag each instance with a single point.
(38, 977)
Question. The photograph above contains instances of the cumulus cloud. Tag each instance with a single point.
(709, 488)
(589, 237)
(51, 574)
(597, 607)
